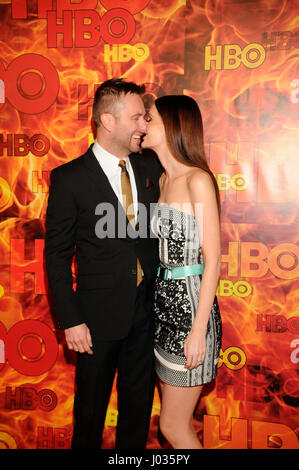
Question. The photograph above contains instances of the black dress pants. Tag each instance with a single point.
(133, 358)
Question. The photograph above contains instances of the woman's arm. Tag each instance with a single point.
(201, 190)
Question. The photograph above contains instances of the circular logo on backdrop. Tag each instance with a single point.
(117, 25)
(31, 83)
(30, 347)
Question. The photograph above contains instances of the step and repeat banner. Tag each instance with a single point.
(239, 60)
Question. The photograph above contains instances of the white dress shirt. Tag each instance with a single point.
(110, 166)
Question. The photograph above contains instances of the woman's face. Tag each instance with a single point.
(155, 131)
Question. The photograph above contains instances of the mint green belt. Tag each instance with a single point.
(180, 271)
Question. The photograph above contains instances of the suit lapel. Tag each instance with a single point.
(97, 174)
(138, 178)
(140, 185)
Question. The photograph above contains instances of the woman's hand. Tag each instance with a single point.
(195, 349)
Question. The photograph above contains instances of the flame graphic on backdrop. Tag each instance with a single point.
(237, 105)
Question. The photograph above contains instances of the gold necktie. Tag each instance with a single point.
(128, 202)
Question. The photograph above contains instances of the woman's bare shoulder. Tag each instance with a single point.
(199, 179)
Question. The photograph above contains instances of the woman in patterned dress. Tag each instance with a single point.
(187, 222)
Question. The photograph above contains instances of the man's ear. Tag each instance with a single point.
(107, 121)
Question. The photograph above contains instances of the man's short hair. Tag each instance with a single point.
(107, 96)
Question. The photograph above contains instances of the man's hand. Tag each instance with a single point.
(78, 338)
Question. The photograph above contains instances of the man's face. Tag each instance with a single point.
(129, 125)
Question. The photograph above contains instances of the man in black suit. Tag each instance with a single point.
(108, 319)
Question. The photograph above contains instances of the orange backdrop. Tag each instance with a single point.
(238, 60)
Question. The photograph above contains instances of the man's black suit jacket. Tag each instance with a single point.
(104, 298)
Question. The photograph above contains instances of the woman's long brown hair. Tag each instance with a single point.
(184, 133)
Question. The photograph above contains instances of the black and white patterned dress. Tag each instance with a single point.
(176, 301)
